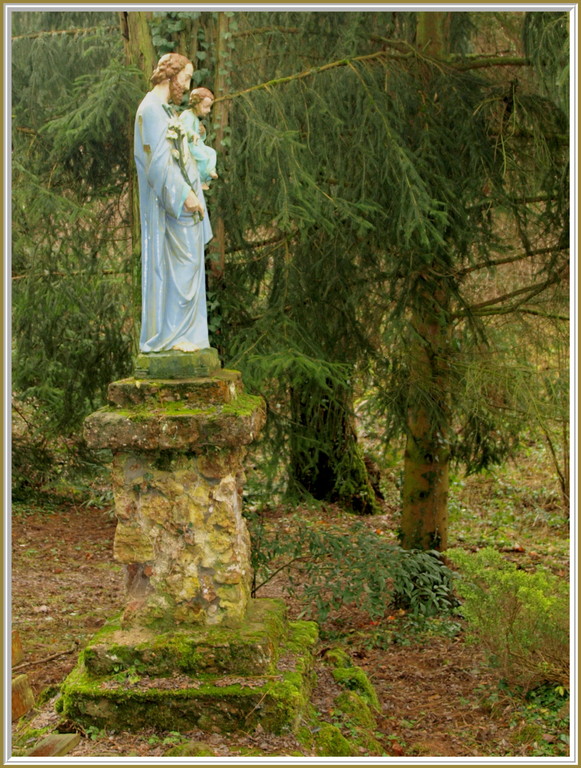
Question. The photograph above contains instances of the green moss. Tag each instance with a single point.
(191, 749)
(246, 648)
(302, 635)
(210, 702)
(337, 657)
(355, 709)
(330, 742)
(355, 679)
(244, 405)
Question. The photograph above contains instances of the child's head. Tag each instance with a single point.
(201, 100)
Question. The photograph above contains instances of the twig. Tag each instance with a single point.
(42, 661)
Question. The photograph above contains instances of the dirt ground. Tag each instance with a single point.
(433, 689)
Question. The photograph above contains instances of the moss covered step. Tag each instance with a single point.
(133, 701)
(176, 426)
(251, 648)
(177, 365)
(222, 387)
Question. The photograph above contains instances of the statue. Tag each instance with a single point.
(174, 224)
(201, 100)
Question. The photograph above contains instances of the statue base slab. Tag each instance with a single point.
(258, 671)
(177, 365)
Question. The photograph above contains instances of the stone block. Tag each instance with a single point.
(17, 652)
(177, 365)
(55, 744)
(176, 426)
(249, 648)
(22, 696)
(222, 387)
(131, 544)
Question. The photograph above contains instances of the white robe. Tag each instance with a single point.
(172, 243)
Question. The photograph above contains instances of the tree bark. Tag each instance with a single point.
(424, 523)
(139, 52)
(326, 460)
(221, 115)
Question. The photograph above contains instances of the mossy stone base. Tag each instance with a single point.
(250, 648)
(177, 365)
(139, 697)
(224, 386)
(178, 425)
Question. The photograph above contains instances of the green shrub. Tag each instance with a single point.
(520, 618)
(329, 567)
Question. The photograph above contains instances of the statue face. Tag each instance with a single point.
(184, 78)
(203, 107)
(180, 83)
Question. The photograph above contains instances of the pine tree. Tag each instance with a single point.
(71, 98)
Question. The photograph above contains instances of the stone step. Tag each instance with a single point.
(223, 387)
(248, 649)
(181, 702)
(176, 426)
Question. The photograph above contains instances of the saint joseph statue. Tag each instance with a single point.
(174, 222)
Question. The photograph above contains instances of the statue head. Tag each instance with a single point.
(201, 100)
(178, 70)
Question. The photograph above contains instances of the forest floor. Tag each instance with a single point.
(438, 694)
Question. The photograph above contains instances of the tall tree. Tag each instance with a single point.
(369, 192)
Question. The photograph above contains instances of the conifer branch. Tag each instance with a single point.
(544, 315)
(528, 292)
(54, 32)
(508, 260)
(265, 31)
(490, 61)
(314, 71)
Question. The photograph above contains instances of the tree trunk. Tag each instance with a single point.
(325, 459)
(220, 118)
(139, 52)
(424, 523)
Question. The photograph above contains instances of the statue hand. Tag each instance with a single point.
(193, 205)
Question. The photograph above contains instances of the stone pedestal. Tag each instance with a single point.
(178, 446)
(189, 637)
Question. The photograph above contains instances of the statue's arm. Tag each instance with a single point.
(161, 169)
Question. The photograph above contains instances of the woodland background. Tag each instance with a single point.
(390, 272)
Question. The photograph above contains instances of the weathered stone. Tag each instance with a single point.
(218, 464)
(222, 387)
(241, 683)
(177, 365)
(22, 696)
(131, 544)
(55, 744)
(246, 648)
(17, 652)
(176, 427)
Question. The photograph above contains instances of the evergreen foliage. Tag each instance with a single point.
(359, 202)
(72, 100)
(370, 194)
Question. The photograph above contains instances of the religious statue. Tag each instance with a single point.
(174, 223)
(201, 100)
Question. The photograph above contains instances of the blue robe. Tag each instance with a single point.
(172, 241)
(204, 156)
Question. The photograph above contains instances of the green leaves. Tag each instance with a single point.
(330, 568)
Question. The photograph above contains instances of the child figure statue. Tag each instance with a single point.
(201, 100)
